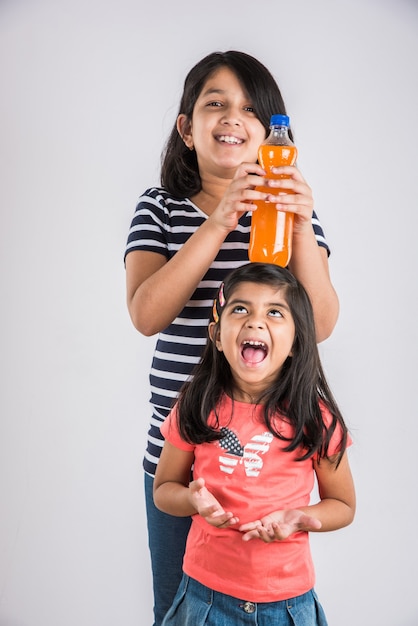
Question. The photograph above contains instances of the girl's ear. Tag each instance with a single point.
(215, 335)
(184, 128)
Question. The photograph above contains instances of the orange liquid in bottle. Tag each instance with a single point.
(272, 230)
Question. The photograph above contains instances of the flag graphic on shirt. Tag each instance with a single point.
(249, 454)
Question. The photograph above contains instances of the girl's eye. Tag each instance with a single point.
(275, 313)
(214, 104)
(249, 108)
(239, 309)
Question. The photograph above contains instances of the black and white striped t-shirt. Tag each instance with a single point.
(163, 224)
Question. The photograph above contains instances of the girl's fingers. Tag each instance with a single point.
(288, 170)
(248, 169)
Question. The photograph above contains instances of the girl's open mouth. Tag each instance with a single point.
(253, 351)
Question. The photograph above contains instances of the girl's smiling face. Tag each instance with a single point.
(256, 335)
(224, 129)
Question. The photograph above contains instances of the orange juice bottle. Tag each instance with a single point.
(272, 230)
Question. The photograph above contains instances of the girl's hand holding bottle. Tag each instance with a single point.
(300, 201)
(238, 197)
(241, 193)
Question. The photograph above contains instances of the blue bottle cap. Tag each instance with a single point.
(279, 120)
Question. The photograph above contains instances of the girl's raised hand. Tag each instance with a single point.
(241, 193)
(279, 525)
(239, 196)
(208, 506)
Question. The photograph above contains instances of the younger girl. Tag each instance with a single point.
(256, 422)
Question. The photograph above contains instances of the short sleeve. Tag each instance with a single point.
(170, 432)
(148, 230)
(319, 233)
(335, 443)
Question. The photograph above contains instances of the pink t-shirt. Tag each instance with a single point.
(250, 475)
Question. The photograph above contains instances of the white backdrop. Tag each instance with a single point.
(89, 92)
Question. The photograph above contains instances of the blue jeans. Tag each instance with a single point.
(197, 605)
(167, 540)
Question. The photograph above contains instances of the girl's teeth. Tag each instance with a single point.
(227, 139)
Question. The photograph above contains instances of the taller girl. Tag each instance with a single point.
(189, 233)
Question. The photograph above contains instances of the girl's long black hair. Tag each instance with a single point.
(296, 394)
(179, 169)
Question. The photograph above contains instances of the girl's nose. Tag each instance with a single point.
(232, 116)
(255, 321)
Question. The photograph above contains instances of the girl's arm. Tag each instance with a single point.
(309, 262)
(337, 504)
(335, 509)
(176, 495)
(171, 483)
(157, 289)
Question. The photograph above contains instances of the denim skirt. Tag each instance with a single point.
(197, 605)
